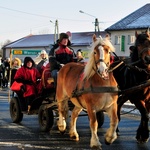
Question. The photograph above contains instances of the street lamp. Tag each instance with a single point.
(96, 23)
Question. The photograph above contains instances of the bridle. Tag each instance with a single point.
(98, 61)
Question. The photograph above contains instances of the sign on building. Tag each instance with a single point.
(26, 52)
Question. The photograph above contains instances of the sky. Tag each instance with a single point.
(20, 18)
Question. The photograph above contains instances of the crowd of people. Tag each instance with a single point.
(4, 72)
(29, 75)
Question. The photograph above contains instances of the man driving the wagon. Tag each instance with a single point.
(62, 53)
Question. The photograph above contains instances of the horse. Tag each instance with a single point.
(133, 81)
(89, 87)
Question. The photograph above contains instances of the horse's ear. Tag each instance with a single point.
(94, 37)
(147, 32)
(136, 34)
(107, 36)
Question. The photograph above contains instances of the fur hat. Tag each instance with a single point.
(18, 60)
(63, 36)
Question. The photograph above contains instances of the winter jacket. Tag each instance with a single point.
(63, 54)
(29, 78)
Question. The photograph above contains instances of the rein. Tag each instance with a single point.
(111, 70)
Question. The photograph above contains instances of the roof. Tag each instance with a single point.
(139, 19)
(45, 40)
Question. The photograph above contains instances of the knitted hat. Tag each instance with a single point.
(43, 52)
(63, 36)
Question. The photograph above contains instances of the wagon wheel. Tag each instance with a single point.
(46, 118)
(100, 118)
(15, 111)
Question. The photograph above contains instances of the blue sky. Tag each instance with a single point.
(19, 18)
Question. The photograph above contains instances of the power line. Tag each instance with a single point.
(44, 16)
(24, 12)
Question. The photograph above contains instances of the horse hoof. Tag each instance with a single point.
(96, 147)
(107, 143)
(74, 138)
(142, 141)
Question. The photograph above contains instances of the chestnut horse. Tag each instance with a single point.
(133, 80)
(90, 88)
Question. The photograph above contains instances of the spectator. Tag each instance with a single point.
(80, 57)
(7, 71)
(131, 49)
(15, 65)
(2, 74)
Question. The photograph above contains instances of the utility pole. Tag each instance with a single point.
(96, 23)
(56, 34)
(97, 30)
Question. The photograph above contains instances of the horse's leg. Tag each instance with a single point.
(142, 135)
(73, 131)
(121, 100)
(94, 143)
(63, 113)
(111, 135)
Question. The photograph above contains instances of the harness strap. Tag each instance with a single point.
(95, 90)
(136, 88)
(76, 89)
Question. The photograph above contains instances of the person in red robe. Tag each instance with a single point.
(28, 75)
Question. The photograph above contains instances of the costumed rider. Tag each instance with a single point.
(28, 75)
(62, 53)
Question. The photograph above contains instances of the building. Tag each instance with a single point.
(33, 44)
(122, 37)
(123, 32)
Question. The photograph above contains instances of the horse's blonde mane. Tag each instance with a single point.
(89, 68)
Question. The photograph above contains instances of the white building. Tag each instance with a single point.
(123, 32)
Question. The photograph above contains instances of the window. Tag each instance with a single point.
(131, 39)
(117, 40)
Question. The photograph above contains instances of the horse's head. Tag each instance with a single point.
(101, 51)
(142, 45)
